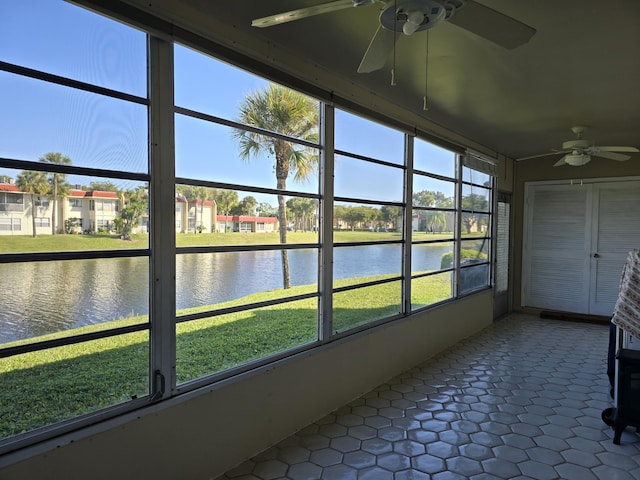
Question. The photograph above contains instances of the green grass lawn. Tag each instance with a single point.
(45, 243)
(41, 388)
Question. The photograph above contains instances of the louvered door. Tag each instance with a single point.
(576, 240)
(556, 248)
(617, 208)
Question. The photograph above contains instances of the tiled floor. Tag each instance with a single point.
(522, 399)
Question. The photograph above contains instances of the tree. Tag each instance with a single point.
(287, 112)
(246, 206)
(59, 186)
(390, 214)
(436, 221)
(473, 203)
(297, 208)
(103, 186)
(226, 200)
(265, 209)
(34, 183)
(134, 204)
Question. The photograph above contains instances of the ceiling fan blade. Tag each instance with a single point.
(617, 149)
(378, 51)
(553, 152)
(292, 15)
(492, 25)
(596, 152)
(560, 162)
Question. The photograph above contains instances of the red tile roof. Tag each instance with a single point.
(92, 194)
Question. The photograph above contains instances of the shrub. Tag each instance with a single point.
(447, 258)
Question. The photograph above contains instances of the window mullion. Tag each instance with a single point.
(458, 227)
(408, 220)
(162, 286)
(325, 274)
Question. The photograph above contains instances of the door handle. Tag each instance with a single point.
(596, 255)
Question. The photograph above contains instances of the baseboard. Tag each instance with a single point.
(575, 317)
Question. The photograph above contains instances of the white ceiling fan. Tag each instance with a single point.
(411, 16)
(578, 152)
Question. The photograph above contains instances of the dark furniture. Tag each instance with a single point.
(627, 411)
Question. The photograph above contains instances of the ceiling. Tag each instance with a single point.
(581, 67)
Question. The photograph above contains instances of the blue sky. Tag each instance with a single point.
(98, 131)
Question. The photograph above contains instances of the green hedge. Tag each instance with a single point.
(447, 258)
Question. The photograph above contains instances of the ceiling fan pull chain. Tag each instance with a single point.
(395, 38)
(425, 104)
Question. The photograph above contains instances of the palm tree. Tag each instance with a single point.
(59, 186)
(34, 183)
(287, 112)
(226, 200)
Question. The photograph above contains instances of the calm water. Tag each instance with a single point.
(47, 297)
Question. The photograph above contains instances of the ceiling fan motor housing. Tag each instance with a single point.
(423, 14)
(572, 144)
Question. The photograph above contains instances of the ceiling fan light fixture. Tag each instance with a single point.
(415, 18)
(577, 159)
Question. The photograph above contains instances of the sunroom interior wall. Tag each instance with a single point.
(223, 425)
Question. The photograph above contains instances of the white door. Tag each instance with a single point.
(576, 240)
(617, 208)
(556, 247)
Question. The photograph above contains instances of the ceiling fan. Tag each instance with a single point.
(578, 152)
(411, 16)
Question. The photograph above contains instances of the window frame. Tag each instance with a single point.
(162, 288)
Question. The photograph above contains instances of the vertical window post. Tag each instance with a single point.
(162, 218)
(325, 272)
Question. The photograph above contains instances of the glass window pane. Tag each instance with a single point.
(91, 130)
(435, 224)
(210, 151)
(474, 251)
(433, 159)
(366, 223)
(60, 38)
(360, 306)
(207, 85)
(210, 345)
(211, 280)
(475, 224)
(366, 180)
(72, 296)
(473, 176)
(42, 388)
(431, 289)
(363, 137)
(473, 278)
(89, 210)
(365, 263)
(210, 216)
(429, 257)
(476, 198)
(429, 192)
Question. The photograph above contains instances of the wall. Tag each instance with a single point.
(204, 436)
(540, 169)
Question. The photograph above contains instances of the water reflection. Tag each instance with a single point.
(48, 297)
